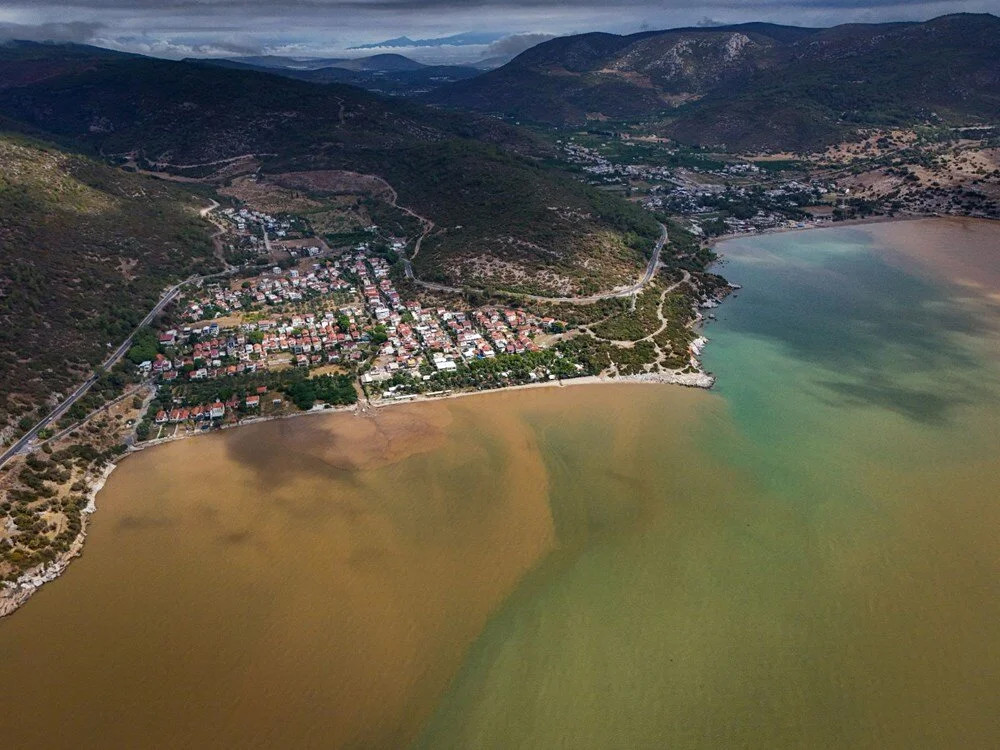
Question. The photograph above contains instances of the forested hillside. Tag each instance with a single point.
(87, 251)
(518, 218)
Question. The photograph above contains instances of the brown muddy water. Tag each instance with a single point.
(805, 557)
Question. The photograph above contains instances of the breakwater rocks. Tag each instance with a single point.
(690, 379)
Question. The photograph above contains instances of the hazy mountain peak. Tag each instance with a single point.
(465, 39)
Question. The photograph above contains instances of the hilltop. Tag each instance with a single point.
(455, 40)
(752, 86)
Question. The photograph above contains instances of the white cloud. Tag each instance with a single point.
(515, 44)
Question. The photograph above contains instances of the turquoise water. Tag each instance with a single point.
(811, 562)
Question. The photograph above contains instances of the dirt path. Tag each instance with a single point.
(220, 229)
(664, 322)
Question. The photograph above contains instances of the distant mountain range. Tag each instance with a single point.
(752, 86)
(197, 111)
(376, 63)
(390, 74)
(467, 39)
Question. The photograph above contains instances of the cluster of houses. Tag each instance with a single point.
(407, 335)
(277, 287)
(513, 331)
(773, 204)
(407, 340)
(213, 411)
(450, 337)
(305, 340)
(376, 288)
(674, 191)
(194, 413)
(415, 335)
(599, 166)
(244, 218)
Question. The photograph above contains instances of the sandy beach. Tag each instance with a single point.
(13, 596)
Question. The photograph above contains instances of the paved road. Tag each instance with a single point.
(24, 444)
(76, 395)
(267, 239)
(428, 227)
(56, 437)
(654, 262)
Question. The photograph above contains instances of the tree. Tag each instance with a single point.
(303, 395)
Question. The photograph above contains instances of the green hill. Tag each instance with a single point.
(87, 252)
(523, 225)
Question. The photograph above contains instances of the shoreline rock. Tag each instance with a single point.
(697, 379)
(14, 595)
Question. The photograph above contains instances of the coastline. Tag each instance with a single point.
(697, 379)
(826, 225)
(15, 595)
(690, 380)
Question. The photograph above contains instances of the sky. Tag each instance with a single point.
(181, 28)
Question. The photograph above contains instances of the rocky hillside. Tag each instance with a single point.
(753, 86)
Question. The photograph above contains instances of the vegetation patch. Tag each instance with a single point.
(633, 325)
(87, 252)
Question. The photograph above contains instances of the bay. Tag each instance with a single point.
(804, 557)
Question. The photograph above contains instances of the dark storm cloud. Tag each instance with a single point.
(272, 8)
(276, 7)
(176, 27)
(74, 31)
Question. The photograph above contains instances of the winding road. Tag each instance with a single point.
(654, 263)
(24, 443)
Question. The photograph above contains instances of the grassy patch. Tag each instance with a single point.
(633, 325)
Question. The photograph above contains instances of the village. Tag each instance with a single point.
(238, 342)
(715, 197)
